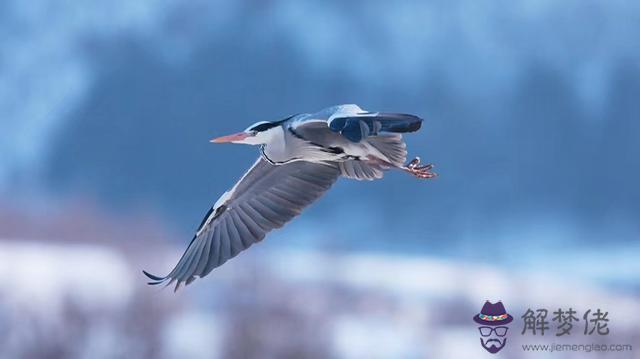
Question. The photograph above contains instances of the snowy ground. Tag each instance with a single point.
(82, 300)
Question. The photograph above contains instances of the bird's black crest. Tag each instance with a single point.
(263, 126)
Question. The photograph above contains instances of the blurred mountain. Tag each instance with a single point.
(530, 110)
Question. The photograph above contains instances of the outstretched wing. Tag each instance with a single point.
(266, 197)
(356, 124)
(362, 125)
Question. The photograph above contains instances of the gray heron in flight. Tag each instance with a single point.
(300, 158)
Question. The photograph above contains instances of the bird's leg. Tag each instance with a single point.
(423, 172)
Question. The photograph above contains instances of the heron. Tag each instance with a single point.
(301, 156)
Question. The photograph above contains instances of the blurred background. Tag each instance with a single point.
(532, 117)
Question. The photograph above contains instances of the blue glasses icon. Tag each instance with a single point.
(500, 331)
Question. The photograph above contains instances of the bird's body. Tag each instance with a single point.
(300, 158)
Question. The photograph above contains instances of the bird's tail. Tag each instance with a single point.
(391, 152)
(391, 146)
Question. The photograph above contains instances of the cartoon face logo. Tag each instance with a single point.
(493, 320)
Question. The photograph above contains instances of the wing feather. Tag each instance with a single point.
(186, 270)
(243, 230)
(265, 198)
(204, 259)
(225, 242)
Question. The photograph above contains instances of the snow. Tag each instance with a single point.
(360, 304)
(42, 275)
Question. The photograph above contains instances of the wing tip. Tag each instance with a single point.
(351, 126)
(402, 122)
(155, 280)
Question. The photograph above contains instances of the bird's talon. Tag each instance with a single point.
(414, 162)
(422, 172)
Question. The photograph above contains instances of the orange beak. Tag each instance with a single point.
(231, 138)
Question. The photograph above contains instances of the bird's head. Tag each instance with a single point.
(257, 134)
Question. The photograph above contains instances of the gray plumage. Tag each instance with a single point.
(301, 157)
